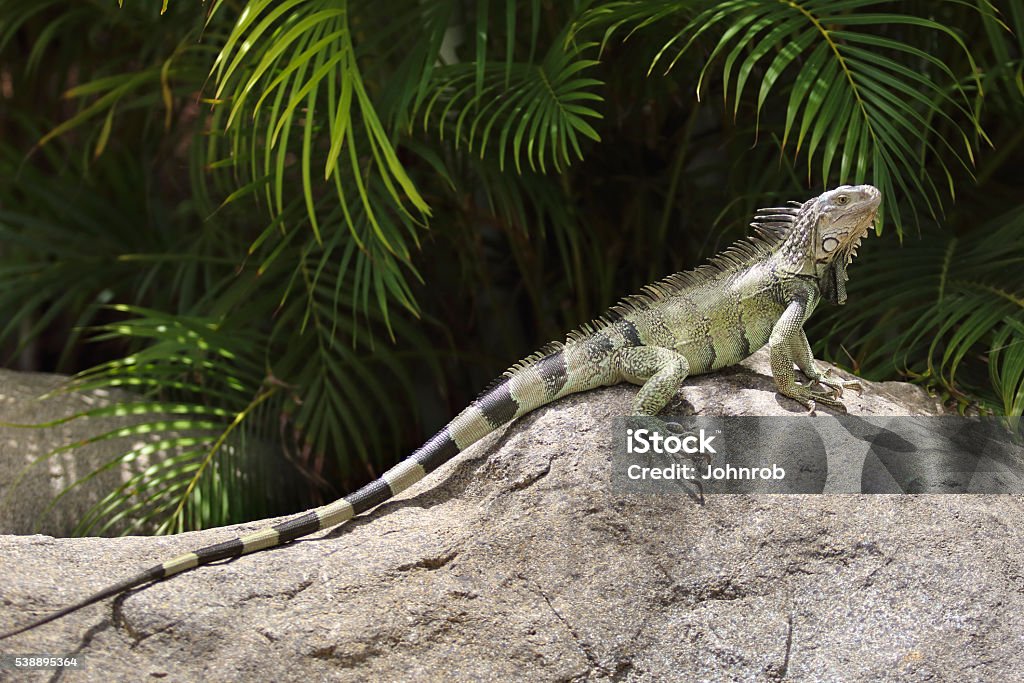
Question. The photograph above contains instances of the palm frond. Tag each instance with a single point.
(347, 397)
(1006, 366)
(154, 89)
(1005, 41)
(62, 228)
(186, 363)
(284, 67)
(519, 110)
(193, 390)
(862, 103)
(952, 314)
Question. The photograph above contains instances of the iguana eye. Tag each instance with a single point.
(842, 200)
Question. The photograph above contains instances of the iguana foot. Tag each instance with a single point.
(809, 398)
(838, 385)
(653, 424)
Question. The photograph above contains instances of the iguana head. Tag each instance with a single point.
(827, 232)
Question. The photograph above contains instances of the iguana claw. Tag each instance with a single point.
(838, 385)
(810, 399)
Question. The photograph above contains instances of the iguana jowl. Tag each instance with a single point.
(759, 291)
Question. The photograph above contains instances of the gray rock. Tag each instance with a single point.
(518, 561)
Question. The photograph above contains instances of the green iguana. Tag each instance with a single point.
(759, 291)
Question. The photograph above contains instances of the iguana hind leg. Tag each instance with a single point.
(658, 370)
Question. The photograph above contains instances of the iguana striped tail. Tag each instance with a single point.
(530, 384)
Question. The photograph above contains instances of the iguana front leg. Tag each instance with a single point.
(805, 361)
(787, 335)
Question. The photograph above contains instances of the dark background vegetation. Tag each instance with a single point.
(316, 228)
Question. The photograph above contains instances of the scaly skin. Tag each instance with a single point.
(759, 291)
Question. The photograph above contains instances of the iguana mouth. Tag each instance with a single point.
(859, 233)
(854, 244)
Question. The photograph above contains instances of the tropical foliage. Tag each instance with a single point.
(321, 225)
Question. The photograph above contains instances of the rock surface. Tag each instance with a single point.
(518, 561)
